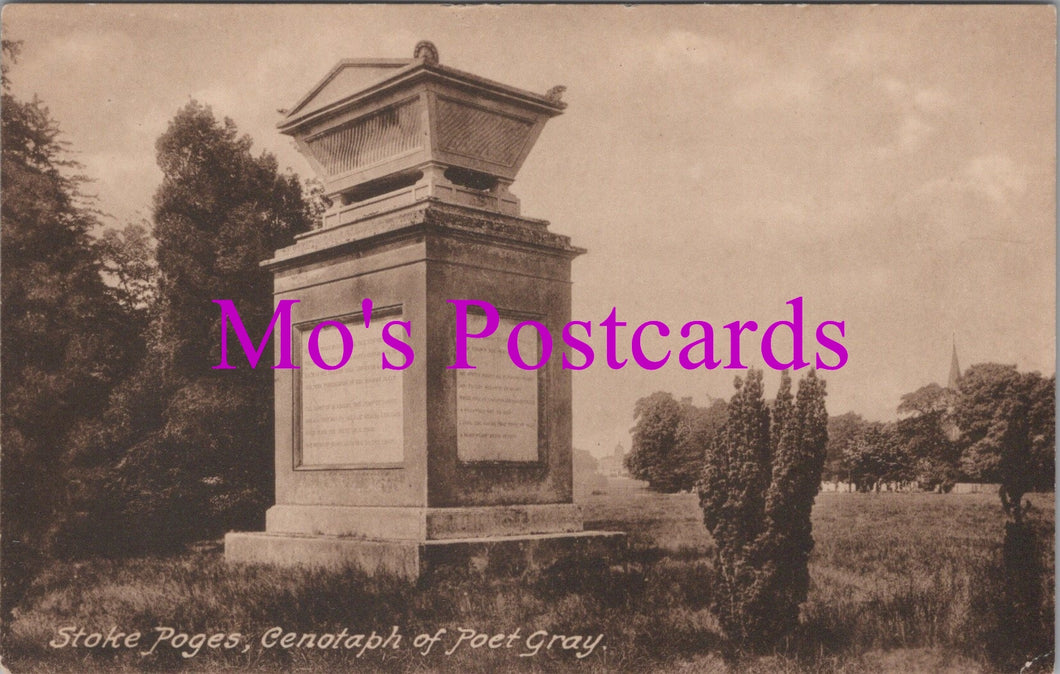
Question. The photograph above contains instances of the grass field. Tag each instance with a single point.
(900, 583)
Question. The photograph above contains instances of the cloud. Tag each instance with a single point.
(913, 132)
(996, 176)
(922, 108)
(929, 100)
(977, 201)
(754, 80)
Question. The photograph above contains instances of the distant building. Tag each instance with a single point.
(615, 464)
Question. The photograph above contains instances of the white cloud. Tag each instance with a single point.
(910, 136)
(918, 106)
(996, 176)
(978, 201)
(912, 133)
(761, 82)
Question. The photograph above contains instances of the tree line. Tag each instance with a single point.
(996, 421)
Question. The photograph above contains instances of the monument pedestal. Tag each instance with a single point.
(409, 461)
(411, 542)
(411, 523)
(509, 555)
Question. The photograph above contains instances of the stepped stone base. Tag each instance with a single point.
(423, 524)
(413, 559)
(411, 542)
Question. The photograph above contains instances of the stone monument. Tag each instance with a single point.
(408, 470)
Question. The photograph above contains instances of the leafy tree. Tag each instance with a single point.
(192, 446)
(926, 432)
(696, 430)
(732, 494)
(669, 438)
(934, 457)
(843, 431)
(654, 444)
(65, 341)
(926, 400)
(128, 258)
(877, 456)
(1008, 429)
(760, 478)
(1007, 422)
(317, 201)
(799, 437)
(584, 461)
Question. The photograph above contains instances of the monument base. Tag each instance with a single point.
(422, 523)
(411, 542)
(508, 555)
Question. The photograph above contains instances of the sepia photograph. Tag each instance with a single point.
(528, 338)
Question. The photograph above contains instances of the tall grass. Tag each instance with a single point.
(902, 581)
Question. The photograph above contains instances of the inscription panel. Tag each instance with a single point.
(497, 403)
(352, 415)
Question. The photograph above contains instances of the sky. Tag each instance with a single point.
(894, 166)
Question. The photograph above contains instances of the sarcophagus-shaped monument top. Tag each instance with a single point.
(382, 133)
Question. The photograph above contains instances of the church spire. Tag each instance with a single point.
(955, 368)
